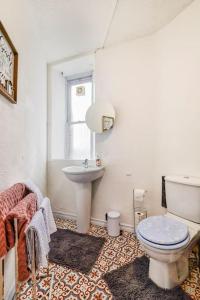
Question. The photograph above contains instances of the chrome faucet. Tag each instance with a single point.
(85, 163)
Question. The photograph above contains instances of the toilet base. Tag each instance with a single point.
(168, 275)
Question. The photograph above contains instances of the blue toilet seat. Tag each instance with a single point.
(163, 232)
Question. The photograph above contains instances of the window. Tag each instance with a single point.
(80, 140)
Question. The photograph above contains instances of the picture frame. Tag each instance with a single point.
(107, 123)
(8, 66)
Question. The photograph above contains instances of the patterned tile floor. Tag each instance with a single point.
(72, 285)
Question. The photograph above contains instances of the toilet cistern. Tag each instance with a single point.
(82, 177)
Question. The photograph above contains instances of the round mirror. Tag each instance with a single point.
(100, 117)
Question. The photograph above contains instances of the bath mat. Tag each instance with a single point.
(75, 250)
(131, 282)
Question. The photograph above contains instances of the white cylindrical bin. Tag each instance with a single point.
(113, 223)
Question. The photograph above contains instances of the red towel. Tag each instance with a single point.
(8, 199)
(24, 212)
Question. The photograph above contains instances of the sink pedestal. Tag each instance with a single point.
(82, 179)
(83, 206)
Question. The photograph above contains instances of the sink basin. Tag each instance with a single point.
(82, 178)
(81, 174)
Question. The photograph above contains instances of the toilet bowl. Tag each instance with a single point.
(168, 240)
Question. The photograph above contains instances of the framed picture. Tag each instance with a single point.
(8, 66)
(107, 123)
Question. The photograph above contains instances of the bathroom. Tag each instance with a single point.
(142, 58)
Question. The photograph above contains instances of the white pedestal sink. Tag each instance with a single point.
(83, 177)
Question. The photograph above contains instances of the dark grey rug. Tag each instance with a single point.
(75, 250)
(131, 282)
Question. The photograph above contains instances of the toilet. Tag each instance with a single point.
(168, 239)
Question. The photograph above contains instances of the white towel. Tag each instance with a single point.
(33, 187)
(48, 216)
(38, 226)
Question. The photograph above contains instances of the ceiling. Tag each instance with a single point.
(137, 18)
(71, 27)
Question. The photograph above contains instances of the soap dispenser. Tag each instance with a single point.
(98, 161)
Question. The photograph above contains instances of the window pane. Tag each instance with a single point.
(81, 99)
(79, 141)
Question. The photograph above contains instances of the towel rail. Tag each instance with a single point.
(33, 269)
(16, 259)
(2, 267)
(33, 266)
(2, 278)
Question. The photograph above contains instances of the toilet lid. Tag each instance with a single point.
(163, 230)
(164, 247)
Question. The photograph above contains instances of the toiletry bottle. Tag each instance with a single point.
(98, 161)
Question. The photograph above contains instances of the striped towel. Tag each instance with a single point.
(37, 225)
(8, 200)
(48, 217)
(24, 212)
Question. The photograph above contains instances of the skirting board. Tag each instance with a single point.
(99, 222)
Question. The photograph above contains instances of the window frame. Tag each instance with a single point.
(70, 81)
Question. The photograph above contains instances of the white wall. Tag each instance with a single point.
(23, 126)
(177, 111)
(124, 75)
(153, 85)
